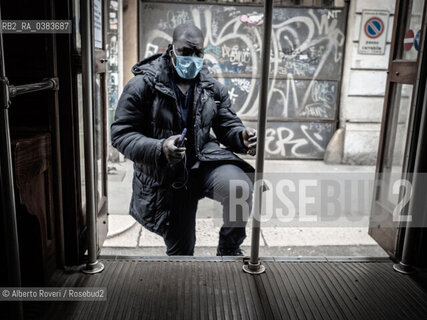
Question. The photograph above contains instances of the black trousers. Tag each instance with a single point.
(223, 183)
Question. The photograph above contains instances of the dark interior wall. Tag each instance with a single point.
(27, 60)
(3, 265)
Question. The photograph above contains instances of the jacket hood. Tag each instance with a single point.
(142, 66)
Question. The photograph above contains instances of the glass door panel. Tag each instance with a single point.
(100, 142)
(100, 118)
(394, 154)
(81, 145)
(410, 46)
(76, 26)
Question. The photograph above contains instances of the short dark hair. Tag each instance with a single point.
(187, 29)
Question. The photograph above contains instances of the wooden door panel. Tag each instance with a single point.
(403, 72)
(32, 157)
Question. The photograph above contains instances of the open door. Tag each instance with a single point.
(394, 156)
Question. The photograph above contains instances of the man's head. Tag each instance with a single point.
(186, 51)
(188, 40)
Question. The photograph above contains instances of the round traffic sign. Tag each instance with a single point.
(417, 40)
(374, 27)
(408, 41)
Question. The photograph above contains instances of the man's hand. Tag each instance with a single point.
(249, 140)
(172, 153)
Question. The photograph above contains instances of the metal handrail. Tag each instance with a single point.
(49, 84)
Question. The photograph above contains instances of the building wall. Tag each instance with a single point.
(363, 88)
(130, 38)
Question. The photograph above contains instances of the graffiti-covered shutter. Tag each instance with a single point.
(307, 53)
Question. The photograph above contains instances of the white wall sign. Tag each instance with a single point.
(97, 22)
(373, 31)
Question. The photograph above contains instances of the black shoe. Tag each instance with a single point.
(228, 252)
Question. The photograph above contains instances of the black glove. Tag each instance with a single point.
(172, 153)
(249, 137)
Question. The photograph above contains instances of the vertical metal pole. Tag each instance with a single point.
(55, 120)
(93, 265)
(254, 266)
(10, 232)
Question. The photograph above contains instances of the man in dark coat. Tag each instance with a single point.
(170, 92)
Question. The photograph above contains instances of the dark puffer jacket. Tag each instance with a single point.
(147, 114)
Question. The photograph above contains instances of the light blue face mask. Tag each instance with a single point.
(187, 67)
